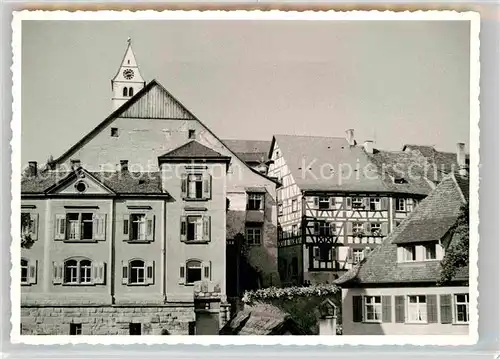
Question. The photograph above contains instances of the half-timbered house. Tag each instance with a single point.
(339, 200)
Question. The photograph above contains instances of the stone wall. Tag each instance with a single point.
(107, 320)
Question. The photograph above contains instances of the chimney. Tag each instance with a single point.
(124, 165)
(32, 168)
(462, 166)
(368, 145)
(75, 164)
(350, 137)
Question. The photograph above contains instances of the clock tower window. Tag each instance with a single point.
(131, 91)
(125, 92)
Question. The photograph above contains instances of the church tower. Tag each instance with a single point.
(128, 80)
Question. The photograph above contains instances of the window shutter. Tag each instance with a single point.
(60, 227)
(367, 227)
(348, 226)
(183, 228)
(445, 304)
(400, 308)
(126, 227)
(386, 309)
(400, 254)
(99, 226)
(207, 186)
(263, 202)
(332, 202)
(150, 227)
(32, 269)
(316, 202)
(182, 273)
(357, 309)
(56, 273)
(366, 202)
(350, 255)
(124, 272)
(333, 228)
(385, 203)
(206, 270)
(206, 228)
(184, 185)
(316, 228)
(431, 301)
(34, 226)
(348, 202)
(102, 273)
(150, 274)
(385, 229)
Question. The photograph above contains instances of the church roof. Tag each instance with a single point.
(193, 150)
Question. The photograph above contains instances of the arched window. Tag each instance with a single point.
(125, 92)
(193, 271)
(137, 269)
(24, 271)
(78, 271)
(131, 91)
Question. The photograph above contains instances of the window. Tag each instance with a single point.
(417, 309)
(322, 257)
(195, 228)
(24, 271)
(138, 227)
(137, 272)
(357, 255)
(357, 202)
(193, 271)
(78, 271)
(401, 204)
(196, 186)
(75, 329)
(280, 208)
(76, 226)
(295, 229)
(375, 204)
(294, 205)
(376, 229)
(131, 91)
(430, 251)
(192, 134)
(255, 201)
(114, 132)
(409, 254)
(29, 226)
(461, 308)
(324, 203)
(357, 228)
(125, 92)
(324, 228)
(373, 308)
(410, 205)
(134, 329)
(254, 235)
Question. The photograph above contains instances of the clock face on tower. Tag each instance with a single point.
(128, 74)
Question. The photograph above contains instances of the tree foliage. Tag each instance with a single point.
(457, 254)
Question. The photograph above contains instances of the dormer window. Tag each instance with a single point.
(409, 254)
(429, 251)
(399, 180)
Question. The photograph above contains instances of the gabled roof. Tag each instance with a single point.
(250, 150)
(381, 267)
(119, 182)
(193, 150)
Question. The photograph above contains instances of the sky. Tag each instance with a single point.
(394, 82)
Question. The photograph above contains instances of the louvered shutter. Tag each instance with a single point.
(150, 227)
(99, 226)
(184, 185)
(386, 309)
(124, 272)
(182, 273)
(126, 227)
(348, 203)
(183, 228)
(34, 226)
(366, 203)
(32, 271)
(60, 226)
(357, 309)
(57, 273)
(206, 270)
(445, 308)
(207, 186)
(400, 308)
(431, 301)
(385, 203)
(206, 228)
(150, 273)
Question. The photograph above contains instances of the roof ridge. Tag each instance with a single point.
(316, 136)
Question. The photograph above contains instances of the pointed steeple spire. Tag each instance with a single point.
(128, 80)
